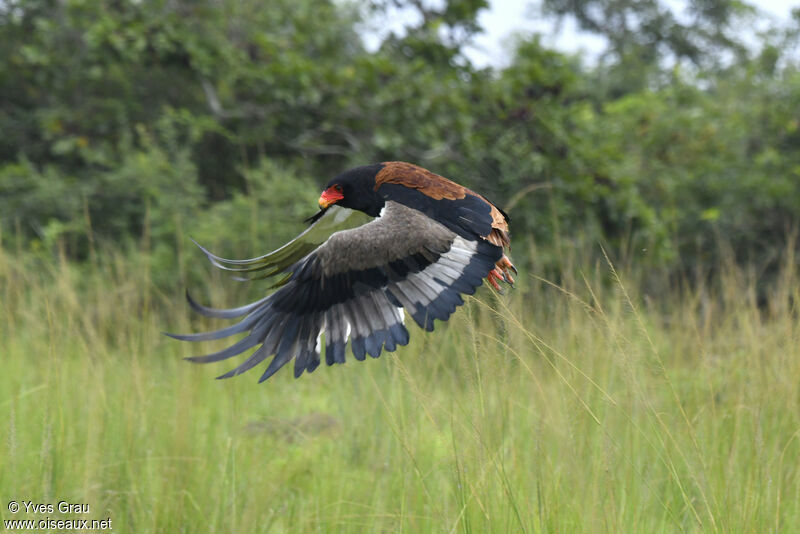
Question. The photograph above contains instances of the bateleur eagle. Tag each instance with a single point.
(430, 241)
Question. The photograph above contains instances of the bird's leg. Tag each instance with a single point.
(494, 276)
(501, 273)
(505, 266)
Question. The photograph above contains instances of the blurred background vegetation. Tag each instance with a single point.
(657, 392)
(130, 124)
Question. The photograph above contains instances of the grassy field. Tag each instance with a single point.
(576, 408)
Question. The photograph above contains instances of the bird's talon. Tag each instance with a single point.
(506, 264)
(501, 273)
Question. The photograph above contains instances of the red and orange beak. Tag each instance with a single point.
(329, 197)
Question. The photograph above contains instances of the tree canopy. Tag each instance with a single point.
(124, 118)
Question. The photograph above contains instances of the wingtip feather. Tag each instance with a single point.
(181, 337)
(317, 216)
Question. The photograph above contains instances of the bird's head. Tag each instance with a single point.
(354, 189)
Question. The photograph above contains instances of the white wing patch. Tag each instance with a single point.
(423, 287)
(318, 345)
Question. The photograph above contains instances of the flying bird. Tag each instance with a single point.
(424, 242)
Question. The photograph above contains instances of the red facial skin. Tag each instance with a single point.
(330, 196)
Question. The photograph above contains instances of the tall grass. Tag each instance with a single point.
(577, 407)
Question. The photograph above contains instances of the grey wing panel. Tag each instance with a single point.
(398, 233)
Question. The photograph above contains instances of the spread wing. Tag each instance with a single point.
(353, 288)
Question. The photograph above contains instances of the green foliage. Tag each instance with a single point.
(131, 121)
(645, 35)
(708, 165)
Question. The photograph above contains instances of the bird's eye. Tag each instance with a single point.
(337, 188)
